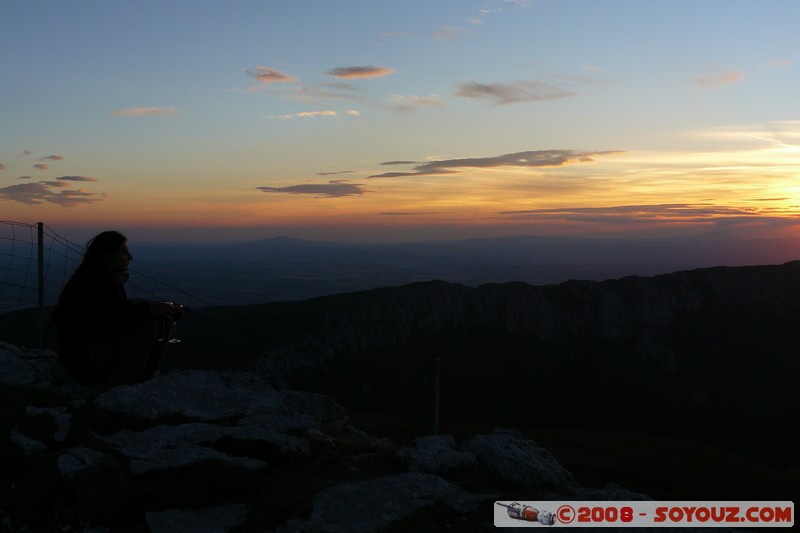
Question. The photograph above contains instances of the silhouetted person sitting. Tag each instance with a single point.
(104, 338)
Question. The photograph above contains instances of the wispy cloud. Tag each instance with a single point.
(332, 189)
(145, 112)
(268, 75)
(496, 6)
(713, 76)
(317, 94)
(72, 198)
(409, 213)
(369, 71)
(678, 215)
(533, 158)
(315, 114)
(407, 103)
(41, 166)
(41, 192)
(778, 134)
(312, 114)
(334, 173)
(340, 87)
(446, 32)
(779, 62)
(76, 178)
(400, 163)
(321, 94)
(26, 193)
(511, 93)
(52, 158)
(627, 213)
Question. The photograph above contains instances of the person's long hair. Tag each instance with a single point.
(107, 242)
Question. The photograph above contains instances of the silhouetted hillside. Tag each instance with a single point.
(708, 355)
(280, 269)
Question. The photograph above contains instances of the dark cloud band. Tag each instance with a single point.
(349, 73)
(510, 93)
(532, 158)
(41, 192)
(333, 189)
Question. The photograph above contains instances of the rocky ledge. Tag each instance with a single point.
(225, 451)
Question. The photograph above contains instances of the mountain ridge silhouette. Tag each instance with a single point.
(697, 354)
(705, 355)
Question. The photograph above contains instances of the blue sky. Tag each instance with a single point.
(365, 120)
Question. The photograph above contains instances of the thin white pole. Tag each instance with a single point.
(40, 254)
(436, 391)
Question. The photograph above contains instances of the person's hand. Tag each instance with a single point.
(162, 310)
(177, 312)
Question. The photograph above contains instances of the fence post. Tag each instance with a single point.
(40, 246)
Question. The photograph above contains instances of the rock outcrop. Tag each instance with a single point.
(667, 355)
(685, 356)
(225, 451)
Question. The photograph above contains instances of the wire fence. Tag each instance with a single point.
(36, 263)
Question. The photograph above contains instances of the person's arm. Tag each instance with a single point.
(107, 307)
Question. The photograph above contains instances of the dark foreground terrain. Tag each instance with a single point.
(680, 386)
(708, 356)
(198, 451)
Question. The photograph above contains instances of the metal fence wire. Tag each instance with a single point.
(36, 263)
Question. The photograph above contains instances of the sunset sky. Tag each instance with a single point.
(371, 120)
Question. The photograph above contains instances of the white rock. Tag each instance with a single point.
(212, 520)
(374, 504)
(28, 444)
(14, 370)
(321, 408)
(78, 460)
(38, 369)
(165, 446)
(437, 454)
(62, 416)
(611, 492)
(197, 394)
(271, 429)
(513, 458)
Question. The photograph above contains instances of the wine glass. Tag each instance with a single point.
(177, 314)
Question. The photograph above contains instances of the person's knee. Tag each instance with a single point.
(152, 330)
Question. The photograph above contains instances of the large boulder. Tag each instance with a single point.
(39, 369)
(377, 503)
(196, 394)
(211, 520)
(164, 447)
(512, 458)
(224, 451)
(436, 454)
